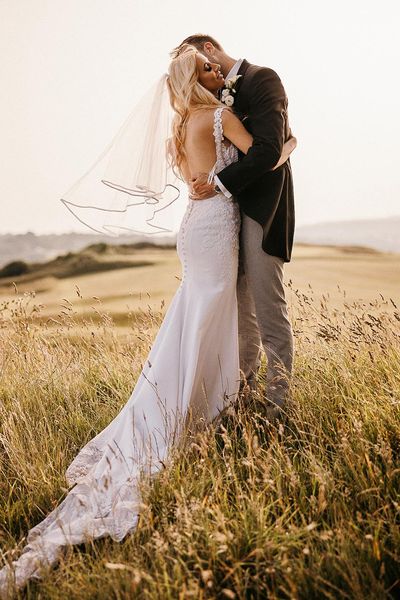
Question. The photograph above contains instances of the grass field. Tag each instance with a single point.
(308, 509)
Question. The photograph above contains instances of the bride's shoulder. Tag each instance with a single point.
(228, 116)
(207, 113)
(201, 117)
(202, 112)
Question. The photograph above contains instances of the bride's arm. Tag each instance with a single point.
(236, 132)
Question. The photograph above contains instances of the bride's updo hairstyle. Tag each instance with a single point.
(186, 94)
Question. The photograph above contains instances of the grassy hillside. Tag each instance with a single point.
(306, 510)
(93, 259)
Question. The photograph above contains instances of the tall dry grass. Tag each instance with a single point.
(306, 509)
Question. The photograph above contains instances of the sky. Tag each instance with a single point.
(71, 72)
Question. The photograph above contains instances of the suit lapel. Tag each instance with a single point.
(243, 67)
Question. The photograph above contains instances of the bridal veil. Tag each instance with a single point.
(131, 187)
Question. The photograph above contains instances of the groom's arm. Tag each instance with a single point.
(267, 110)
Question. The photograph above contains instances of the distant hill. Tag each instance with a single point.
(38, 248)
(92, 259)
(379, 234)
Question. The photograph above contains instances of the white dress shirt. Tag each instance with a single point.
(232, 73)
(235, 69)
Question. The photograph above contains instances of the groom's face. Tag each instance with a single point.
(209, 73)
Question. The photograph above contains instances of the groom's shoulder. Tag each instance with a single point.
(259, 73)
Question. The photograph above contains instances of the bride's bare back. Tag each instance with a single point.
(199, 144)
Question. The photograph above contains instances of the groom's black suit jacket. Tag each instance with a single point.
(264, 195)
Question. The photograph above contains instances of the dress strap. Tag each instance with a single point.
(218, 133)
(219, 138)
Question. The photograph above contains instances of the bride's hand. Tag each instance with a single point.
(287, 150)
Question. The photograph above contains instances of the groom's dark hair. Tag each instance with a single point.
(199, 39)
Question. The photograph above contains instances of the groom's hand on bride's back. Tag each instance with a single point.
(200, 188)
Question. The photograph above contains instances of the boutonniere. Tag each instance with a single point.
(229, 90)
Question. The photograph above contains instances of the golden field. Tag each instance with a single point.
(358, 274)
(306, 509)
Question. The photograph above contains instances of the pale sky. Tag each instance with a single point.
(71, 71)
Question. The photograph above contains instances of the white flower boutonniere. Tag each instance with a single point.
(229, 90)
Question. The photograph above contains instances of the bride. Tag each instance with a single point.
(192, 371)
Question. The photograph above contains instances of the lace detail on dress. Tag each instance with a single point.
(219, 138)
(83, 463)
(225, 153)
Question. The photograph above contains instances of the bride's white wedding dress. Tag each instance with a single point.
(189, 375)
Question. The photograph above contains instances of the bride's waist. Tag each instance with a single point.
(217, 197)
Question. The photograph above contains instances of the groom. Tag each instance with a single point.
(267, 206)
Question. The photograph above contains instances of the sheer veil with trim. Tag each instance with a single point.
(132, 184)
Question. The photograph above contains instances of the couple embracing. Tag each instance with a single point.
(230, 143)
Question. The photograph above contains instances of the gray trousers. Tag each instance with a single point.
(263, 314)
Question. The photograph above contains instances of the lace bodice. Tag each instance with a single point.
(216, 219)
(226, 152)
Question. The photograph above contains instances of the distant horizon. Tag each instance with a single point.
(87, 231)
(379, 234)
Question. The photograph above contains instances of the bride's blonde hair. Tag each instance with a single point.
(186, 94)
